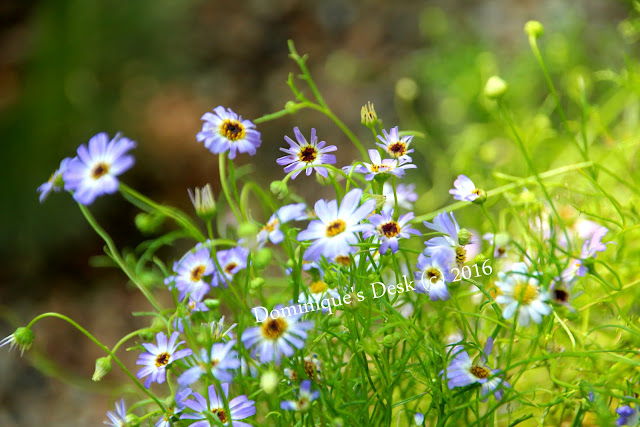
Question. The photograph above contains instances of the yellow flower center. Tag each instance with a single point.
(162, 359)
(343, 260)
(233, 130)
(271, 226)
(380, 168)
(397, 149)
(335, 227)
(390, 229)
(100, 170)
(308, 154)
(480, 372)
(196, 273)
(220, 414)
(525, 293)
(273, 328)
(461, 256)
(229, 267)
(433, 273)
(318, 287)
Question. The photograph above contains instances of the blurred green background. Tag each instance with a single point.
(72, 68)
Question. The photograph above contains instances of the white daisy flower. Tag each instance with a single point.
(519, 292)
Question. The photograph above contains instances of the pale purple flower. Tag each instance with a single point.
(462, 372)
(191, 272)
(231, 261)
(406, 196)
(396, 146)
(301, 154)
(55, 182)
(158, 357)
(433, 274)
(218, 362)
(117, 418)
(590, 249)
(181, 396)
(272, 231)
(390, 231)
(379, 166)
(303, 402)
(276, 337)
(627, 416)
(465, 189)
(240, 407)
(226, 131)
(94, 171)
(334, 232)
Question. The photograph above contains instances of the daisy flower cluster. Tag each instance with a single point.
(333, 300)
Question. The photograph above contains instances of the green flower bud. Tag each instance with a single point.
(21, 338)
(279, 189)
(256, 283)
(292, 106)
(334, 321)
(146, 335)
(269, 381)
(247, 230)
(103, 367)
(464, 237)
(495, 88)
(211, 304)
(262, 258)
(157, 325)
(330, 277)
(132, 420)
(388, 342)
(148, 223)
(368, 116)
(379, 198)
(203, 202)
(370, 346)
(534, 29)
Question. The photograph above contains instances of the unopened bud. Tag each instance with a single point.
(21, 338)
(132, 420)
(247, 230)
(203, 202)
(279, 189)
(256, 283)
(389, 341)
(464, 237)
(262, 258)
(103, 367)
(148, 223)
(368, 115)
(495, 87)
(534, 29)
(269, 381)
(292, 106)
(211, 304)
(370, 346)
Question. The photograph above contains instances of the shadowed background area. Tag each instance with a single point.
(149, 69)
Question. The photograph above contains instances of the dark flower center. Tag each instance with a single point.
(343, 260)
(229, 267)
(434, 273)
(560, 295)
(336, 227)
(100, 170)
(162, 359)
(461, 256)
(397, 149)
(501, 250)
(390, 229)
(196, 273)
(480, 372)
(233, 130)
(274, 328)
(308, 154)
(220, 414)
(310, 369)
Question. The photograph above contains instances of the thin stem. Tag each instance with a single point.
(222, 166)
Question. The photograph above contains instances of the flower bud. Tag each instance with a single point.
(534, 29)
(292, 106)
(368, 115)
(211, 304)
(334, 321)
(464, 237)
(379, 198)
(330, 277)
(389, 341)
(148, 223)
(132, 420)
(370, 346)
(262, 258)
(495, 88)
(203, 202)
(247, 230)
(21, 338)
(256, 283)
(269, 381)
(103, 367)
(279, 189)
(146, 335)
(157, 325)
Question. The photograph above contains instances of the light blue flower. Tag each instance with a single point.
(301, 154)
(225, 131)
(240, 407)
(218, 362)
(390, 231)
(55, 182)
(305, 397)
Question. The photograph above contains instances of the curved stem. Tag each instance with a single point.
(222, 166)
(103, 347)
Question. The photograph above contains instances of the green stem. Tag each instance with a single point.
(115, 255)
(104, 348)
(222, 162)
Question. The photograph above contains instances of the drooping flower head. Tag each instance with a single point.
(519, 291)
(465, 189)
(219, 361)
(335, 229)
(379, 166)
(276, 337)
(240, 407)
(404, 192)
(396, 146)
(271, 230)
(302, 153)
(590, 249)
(390, 231)
(55, 182)
(433, 273)
(158, 357)
(303, 402)
(462, 371)
(225, 131)
(231, 261)
(117, 418)
(191, 272)
(94, 171)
